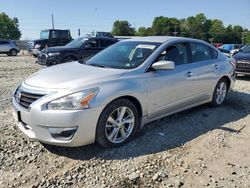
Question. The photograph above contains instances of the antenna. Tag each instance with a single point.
(53, 21)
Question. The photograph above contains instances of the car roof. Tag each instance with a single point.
(160, 39)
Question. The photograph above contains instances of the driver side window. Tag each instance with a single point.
(177, 53)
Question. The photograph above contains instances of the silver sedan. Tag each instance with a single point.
(108, 98)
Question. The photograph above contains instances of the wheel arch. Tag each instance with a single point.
(227, 79)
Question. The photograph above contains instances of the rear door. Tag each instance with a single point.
(204, 69)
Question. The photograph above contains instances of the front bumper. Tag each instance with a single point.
(35, 122)
(45, 60)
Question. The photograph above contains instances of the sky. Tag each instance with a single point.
(99, 15)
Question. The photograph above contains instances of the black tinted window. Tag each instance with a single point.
(177, 53)
(93, 43)
(4, 42)
(214, 53)
(105, 43)
(200, 52)
(64, 34)
(55, 34)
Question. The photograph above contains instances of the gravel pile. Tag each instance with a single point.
(201, 147)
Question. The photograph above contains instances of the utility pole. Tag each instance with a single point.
(175, 30)
(243, 36)
(53, 21)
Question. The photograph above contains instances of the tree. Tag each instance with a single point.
(247, 40)
(165, 26)
(122, 28)
(9, 28)
(217, 30)
(197, 27)
(143, 31)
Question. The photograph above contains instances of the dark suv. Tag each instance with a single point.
(243, 61)
(49, 38)
(77, 50)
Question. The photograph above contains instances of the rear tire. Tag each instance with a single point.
(117, 123)
(13, 52)
(220, 92)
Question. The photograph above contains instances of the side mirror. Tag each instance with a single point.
(163, 65)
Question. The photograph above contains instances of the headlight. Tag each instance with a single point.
(75, 101)
(37, 46)
(54, 54)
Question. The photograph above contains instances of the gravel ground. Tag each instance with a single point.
(201, 147)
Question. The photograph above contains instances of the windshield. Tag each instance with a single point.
(124, 55)
(246, 49)
(44, 35)
(77, 43)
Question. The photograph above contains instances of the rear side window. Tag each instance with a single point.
(64, 34)
(200, 52)
(214, 53)
(4, 42)
(55, 34)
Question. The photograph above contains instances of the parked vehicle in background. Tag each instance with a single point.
(49, 38)
(235, 51)
(225, 52)
(112, 95)
(102, 34)
(243, 61)
(217, 45)
(76, 50)
(229, 48)
(9, 47)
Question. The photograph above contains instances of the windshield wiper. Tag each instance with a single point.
(97, 65)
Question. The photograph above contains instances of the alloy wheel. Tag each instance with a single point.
(221, 92)
(119, 125)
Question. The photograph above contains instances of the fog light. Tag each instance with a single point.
(62, 133)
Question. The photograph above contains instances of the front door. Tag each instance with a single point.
(170, 90)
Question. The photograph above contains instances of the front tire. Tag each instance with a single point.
(220, 92)
(117, 123)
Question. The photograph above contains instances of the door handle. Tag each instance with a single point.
(216, 66)
(189, 74)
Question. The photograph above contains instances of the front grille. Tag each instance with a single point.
(42, 58)
(243, 66)
(30, 45)
(25, 99)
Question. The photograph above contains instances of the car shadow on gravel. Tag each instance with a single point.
(170, 132)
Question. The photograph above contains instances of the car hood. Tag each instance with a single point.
(71, 75)
(57, 49)
(242, 56)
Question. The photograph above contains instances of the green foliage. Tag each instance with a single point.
(9, 28)
(194, 26)
(247, 37)
(143, 31)
(165, 26)
(122, 28)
